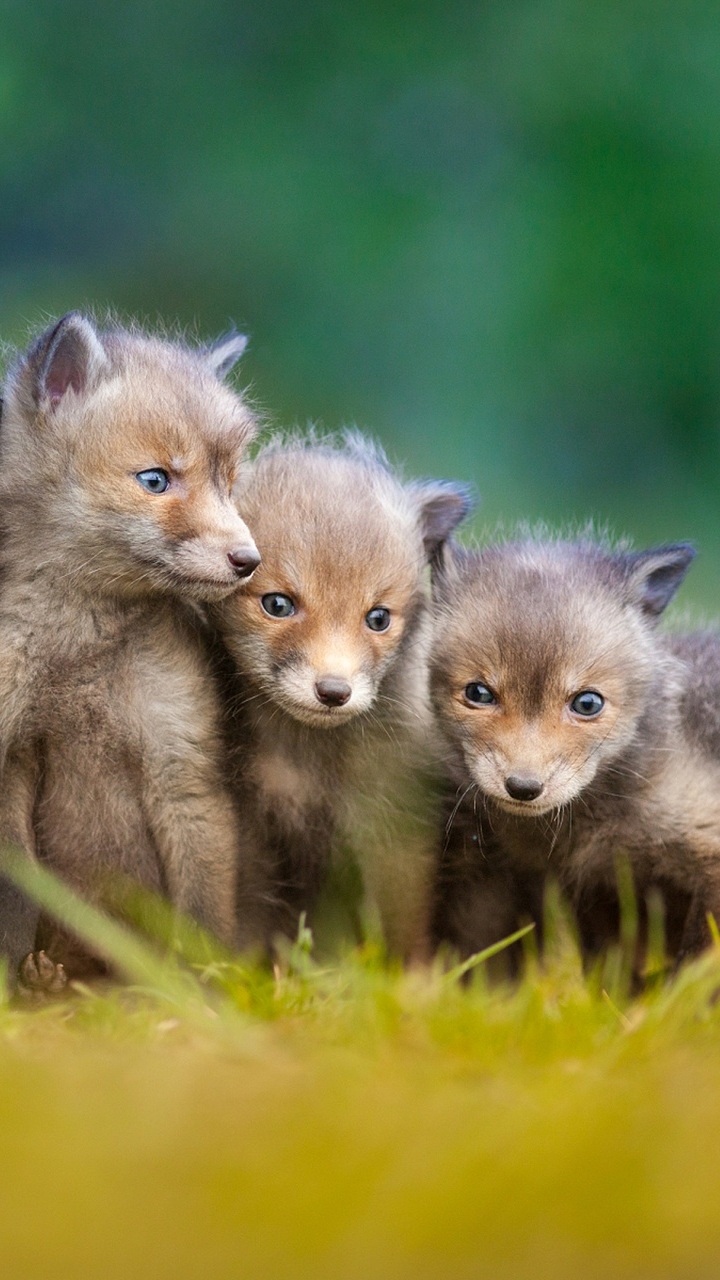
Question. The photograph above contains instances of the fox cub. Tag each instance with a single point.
(575, 732)
(118, 454)
(331, 723)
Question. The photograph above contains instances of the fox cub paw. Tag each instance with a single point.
(40, 977)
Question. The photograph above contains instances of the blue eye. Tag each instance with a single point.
(154, 480)
(378, 619)
(277, 605)
(478, 695)
(587, 703)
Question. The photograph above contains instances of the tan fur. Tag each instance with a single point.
(538, 622)
(340, 535)
(109, 722)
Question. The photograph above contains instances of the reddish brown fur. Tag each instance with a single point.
(109, 726)
(537, 622)
(340, 535)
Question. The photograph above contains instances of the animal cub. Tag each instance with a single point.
(332, 726)
(575, 732)
(118, 454)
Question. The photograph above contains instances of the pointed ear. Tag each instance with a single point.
(445, 569)
(652, 577)
(224, 353)
(442, 505)
(69, 356)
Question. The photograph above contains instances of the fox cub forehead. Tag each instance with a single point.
(118, 388)
(552, 606)
(324, 520)
(336, 515)
(173, 391)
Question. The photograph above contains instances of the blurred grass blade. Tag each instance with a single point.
(657, 963)
(480, 956)
(156, 919)
(134, 959)
(629, 927)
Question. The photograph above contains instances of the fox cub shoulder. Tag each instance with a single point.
(329, 645)
(576, 730)
(118, 454)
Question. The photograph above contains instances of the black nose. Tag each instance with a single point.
(334, 693)
(244, 561)
(523, 788)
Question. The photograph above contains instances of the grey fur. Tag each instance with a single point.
(109, 718)
(538, 621)
(319, 785)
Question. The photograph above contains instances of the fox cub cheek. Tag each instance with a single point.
(175, 516)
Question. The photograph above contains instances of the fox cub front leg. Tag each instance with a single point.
(32, 973)
(705, 902)
(193, 823)
(397, 868)
(394, 836)
(188, 808)
(19, 915)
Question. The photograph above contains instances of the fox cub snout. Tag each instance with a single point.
(330, 635)
(545, 658)
(133, 444)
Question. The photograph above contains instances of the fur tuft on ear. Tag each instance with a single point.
(441, 505)
(224, 353)
(652, 577)
(68, 356)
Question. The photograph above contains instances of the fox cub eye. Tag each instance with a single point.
(378, 619)
(277, 606)
(478, 695)
(587, 703)
(154, 480)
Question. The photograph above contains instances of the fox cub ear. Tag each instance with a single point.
(442, 505)
(224, 353)
(652, 577)
(446, 570)
(67, 356)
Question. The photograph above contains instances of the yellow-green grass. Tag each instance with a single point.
(354, 1121)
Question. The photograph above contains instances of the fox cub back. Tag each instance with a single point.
(118, 453)
(575, 731)
(331, 710)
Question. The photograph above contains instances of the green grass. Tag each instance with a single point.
(350, 1121)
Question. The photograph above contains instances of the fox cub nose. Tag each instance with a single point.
(244, 560)
(523, 788)
(334, 693)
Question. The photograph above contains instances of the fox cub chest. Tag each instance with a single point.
(289, 791)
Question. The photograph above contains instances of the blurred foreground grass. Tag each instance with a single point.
(354, 1121)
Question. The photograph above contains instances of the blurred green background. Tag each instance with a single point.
(487, 232)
